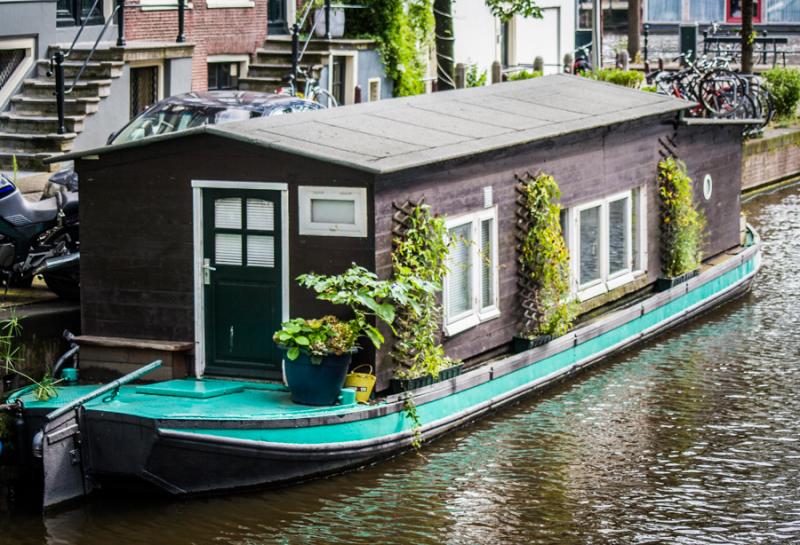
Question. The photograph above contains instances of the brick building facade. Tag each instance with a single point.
(222, 30)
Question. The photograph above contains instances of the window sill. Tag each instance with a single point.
(471, 321)
(221, 4)
(162, 6)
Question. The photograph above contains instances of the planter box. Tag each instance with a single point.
(400, 385)
(663, 284)
(521, 344)
(337, 22)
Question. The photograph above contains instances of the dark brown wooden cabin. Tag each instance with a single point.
(191, 242)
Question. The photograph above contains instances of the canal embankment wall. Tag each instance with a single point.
(771, 159)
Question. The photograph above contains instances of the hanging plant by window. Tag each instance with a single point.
(420, 248)
(404, 31)
(543, 259)
(682, 224)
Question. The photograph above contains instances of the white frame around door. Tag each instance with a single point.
(197, 221)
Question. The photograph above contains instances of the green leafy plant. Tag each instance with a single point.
(682, 224)
(410, 410)
(544, 259)
(404, 32)
(506, 9)
(524, 74)
(10, 329)
(420, 253)
(624, 78)
(784, 85)
(475, 78)
(365, 295)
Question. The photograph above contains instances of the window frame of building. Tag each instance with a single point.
(478, 311)
(308, 227)
(159, 84)
(635, 230)
(233, 66)
(18, 73)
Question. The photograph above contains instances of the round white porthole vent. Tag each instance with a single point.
(708, 186)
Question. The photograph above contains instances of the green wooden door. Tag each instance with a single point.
(242, 281)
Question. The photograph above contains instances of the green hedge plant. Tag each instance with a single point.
(524, 74)
(544, 258)
(784, 85)
(682, 223)
(625, 78)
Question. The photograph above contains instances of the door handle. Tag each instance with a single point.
(207, 268)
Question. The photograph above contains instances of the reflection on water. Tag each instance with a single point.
(691, 439)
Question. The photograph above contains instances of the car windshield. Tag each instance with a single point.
(169, 118)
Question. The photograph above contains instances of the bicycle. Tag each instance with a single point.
(311, 90)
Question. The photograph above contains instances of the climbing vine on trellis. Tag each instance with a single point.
(419, 249)
(543, 272)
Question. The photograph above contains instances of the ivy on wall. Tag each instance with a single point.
(682, 224)
(403, 30)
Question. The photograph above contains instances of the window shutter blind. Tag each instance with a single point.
(487, 265)
(227, 249)
(459, 288)
(260, 251)
(228, 213)
(260, 215)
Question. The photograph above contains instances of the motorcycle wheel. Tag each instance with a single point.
(65, 284)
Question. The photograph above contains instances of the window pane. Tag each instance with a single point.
(618, 235)
(333, 211)
(459, 263)
(260, 215)
(260, 251)
(487, 267)
(787, 11)
(228, 213)
(590, 244)
(664, 10)
(707, 10)
(227, 249)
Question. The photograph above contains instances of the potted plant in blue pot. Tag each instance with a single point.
(318, 351)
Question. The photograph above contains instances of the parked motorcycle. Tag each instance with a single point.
(39, 238)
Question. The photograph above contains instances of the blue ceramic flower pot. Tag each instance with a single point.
(316, 383)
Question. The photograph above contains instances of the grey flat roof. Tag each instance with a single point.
(398, 134)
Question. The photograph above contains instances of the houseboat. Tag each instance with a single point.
(192, 243)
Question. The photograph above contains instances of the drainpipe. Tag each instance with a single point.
(597, 35)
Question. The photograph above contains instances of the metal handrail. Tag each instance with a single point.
(57, 63)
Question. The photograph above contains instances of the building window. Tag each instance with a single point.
(333, 211)
(374, 89)
(144, 88)
(606, 240)
(471, 284)
(339, 78)
(223, 75)
(664, 10)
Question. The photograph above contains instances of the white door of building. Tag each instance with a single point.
(539, 38)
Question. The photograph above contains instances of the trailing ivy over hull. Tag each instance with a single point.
(420, 248)
(543, 259)
(682, 224)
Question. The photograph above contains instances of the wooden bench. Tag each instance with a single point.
(123, 355)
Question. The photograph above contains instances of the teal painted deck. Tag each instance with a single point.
(253, 401)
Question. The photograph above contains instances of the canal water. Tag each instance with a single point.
(694, 438)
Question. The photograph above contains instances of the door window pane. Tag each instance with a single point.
(260, 251)
(459, 262)
(333, 211)
(590, 244)
(618, 235)
(227, 249)
(260, 215)
(228, 213)
(487, 269)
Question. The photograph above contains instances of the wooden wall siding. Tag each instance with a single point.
(137, 237)
(716, 151)
(587, 166)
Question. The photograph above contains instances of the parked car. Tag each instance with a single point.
(180, 112)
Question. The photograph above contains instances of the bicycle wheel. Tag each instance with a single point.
(720, 92)
(323, 97)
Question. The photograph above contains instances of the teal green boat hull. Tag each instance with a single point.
(193, 436)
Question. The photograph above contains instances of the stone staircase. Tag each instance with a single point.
(28, 131)
(273, 63)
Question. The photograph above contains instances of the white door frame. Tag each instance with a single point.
(197, 221)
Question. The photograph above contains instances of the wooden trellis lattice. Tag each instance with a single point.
(528, 289)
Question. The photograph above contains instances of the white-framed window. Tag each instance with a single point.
(471, 285)
(607, 242)
(332, 211)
